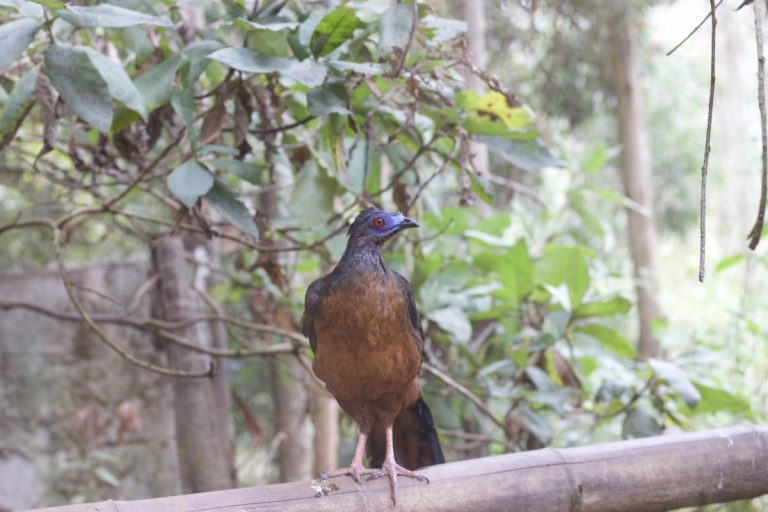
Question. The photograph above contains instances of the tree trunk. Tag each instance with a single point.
(474, 14)
(635, 174)
(203, 462)
(325, 415)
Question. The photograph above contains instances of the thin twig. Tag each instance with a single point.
(681, 43)
(401, 61)
(757, 229)
(705, 164)
(155, 323)
(447, 379)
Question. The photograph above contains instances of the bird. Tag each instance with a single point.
(364, 329)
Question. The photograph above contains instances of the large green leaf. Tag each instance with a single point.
(528, 155)
(395, 27)
(121, 87)
(156, 85)
(640, 422)
(719, 400)
(453, 321)
(107, 15)
(82, 87)
(333, 30)
(330, 98)
(313, 193)
(18, 105)
(270, 38)
(231, 208)
(189, 181)
(308, 72)
(677, 380)
(609, 338)
(564, 265)
(364, 68)
(15, 36)
(514, 269)
(248, 171)
(610, 307)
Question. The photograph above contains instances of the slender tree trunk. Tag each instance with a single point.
(474, 14)
(325, 415)
(204, 464)
(635, 174)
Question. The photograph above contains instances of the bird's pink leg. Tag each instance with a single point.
(391, 468)
(356, 468)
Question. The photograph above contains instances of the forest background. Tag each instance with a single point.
(173, 176)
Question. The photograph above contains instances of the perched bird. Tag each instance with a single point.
(363, 326)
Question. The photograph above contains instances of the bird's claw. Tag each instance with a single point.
(353, 471)
(392, 470)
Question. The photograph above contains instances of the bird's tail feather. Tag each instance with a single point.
(415, 439)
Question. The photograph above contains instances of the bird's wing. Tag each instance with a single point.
(312, 303)
(413, 313)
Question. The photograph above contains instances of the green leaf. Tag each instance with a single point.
(106, 476)
(596, 158)
(308, 72)
(189, 181)
(719, 400)
(15, 37)
(479, 186)
(728, 262)
(51, 4)
(249, 171)
(453, 321)
(440, 30)
(308, 26)
(78, 80)
(609, 338)
(610, 307)
(395, 27)
(271, 38)
(333, 30)
(120, 85)
(516, 274)
(640, 422)
(364, 68)
(156, 85)
(313, 193)
(677, 380)
(107, 15)
(561, 264)
(18, 105)
(527, 155)
(329, 98)
(537, 426)
(231, 208)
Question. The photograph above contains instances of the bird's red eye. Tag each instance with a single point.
(378, 222)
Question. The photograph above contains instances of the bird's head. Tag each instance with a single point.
(376, 226)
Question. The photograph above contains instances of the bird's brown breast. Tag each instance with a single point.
(367, 352)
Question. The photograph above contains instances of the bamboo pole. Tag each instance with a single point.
(650, 474)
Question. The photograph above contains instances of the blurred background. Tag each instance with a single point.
(551, 150)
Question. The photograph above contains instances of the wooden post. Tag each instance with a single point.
(654, 473)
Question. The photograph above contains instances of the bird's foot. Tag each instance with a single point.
(392, 469)
(355, 471)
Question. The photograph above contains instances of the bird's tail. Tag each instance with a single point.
(415, 439)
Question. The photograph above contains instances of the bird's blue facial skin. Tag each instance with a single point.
(391, 223)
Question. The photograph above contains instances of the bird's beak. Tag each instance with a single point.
(407, 222)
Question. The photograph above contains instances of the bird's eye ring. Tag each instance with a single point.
(378, 222)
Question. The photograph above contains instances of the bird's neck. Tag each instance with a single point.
(363, 256)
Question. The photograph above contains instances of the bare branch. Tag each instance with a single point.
(705, 164)
(757, 229)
